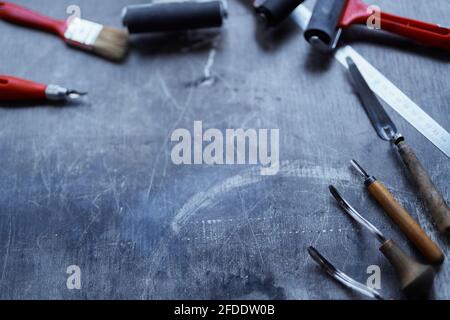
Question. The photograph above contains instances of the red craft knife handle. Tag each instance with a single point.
(19, 89)
(22, 16)
(357, 12)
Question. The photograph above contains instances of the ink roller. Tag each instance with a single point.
(273, 12)
(330, 17)
(416, 279)
(173, 16)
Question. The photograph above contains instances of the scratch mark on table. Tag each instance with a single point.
(8, 245)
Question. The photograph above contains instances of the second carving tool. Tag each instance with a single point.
(104, 41)
(387, 131)
(401, 217)
(416, 279)
(16, 89)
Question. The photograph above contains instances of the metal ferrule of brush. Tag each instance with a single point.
(83, 32)
(322, 31)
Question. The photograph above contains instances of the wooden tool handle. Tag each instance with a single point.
(406, 223)
(22, 16)
(431, 196)
(416, 279)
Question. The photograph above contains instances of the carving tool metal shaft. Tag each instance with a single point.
(341, 277)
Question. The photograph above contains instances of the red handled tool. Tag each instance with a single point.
(12, 88)
(107, 42)
(331, 16)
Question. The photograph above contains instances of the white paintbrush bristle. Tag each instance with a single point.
(107, 42)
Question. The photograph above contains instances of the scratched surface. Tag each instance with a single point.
(93, 185)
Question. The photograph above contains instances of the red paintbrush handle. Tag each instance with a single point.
(357, 12)
(25, 17)
(19, 89)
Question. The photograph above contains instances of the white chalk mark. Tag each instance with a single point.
(208, 79)
(289, 169)
(209, 63)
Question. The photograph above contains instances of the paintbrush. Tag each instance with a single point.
(110, 43)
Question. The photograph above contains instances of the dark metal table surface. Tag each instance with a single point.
(93, 185)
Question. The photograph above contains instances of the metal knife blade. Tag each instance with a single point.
(381, 121)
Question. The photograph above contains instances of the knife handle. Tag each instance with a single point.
(432, 198)
(406, 223)
(12, 88)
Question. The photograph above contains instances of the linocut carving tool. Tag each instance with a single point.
(107, 42)
(173, 16)
(330, 17)
(12, 88)
(401, 217)
(341, 277)
(273, 12)
(386, 130)
(416, 279)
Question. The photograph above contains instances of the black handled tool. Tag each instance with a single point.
(341, 277)
(416, 279)
(173, 16)
(387, 131)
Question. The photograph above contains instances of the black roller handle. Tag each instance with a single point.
(173, 16)
(273, 12)
(324, 20)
